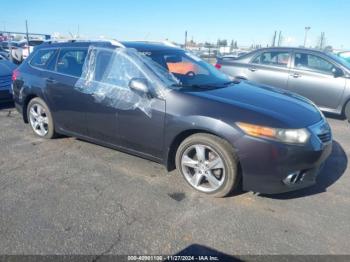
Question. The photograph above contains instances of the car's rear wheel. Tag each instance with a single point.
(208, 164)
(40, 118)
(347, 111)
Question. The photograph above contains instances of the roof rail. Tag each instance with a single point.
(168, 43)
(111, 41)
(116, 43)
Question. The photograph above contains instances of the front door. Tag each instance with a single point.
(115, 113)
(143, 132)
(312, 77)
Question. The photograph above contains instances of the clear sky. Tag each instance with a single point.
(248, 22)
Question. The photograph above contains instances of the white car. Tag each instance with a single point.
(16, 50)
(27, 50)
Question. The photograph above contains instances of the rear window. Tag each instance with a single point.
(71, 61)
(274, 58)
(42, 57)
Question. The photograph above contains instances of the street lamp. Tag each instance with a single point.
(307, 28)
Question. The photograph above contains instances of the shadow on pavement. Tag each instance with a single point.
(334, 116)
(334, 168)
(200, 250)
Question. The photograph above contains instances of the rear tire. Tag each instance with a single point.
(209, 164)
(347, 111)
(40, 118)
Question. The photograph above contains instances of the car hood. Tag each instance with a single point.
(6, 68)
(285, 108)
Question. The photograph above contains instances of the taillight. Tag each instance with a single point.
(218, 66)
(15, 75)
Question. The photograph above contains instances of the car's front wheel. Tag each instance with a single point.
(40, 118)
(208, 164)
(347, 111)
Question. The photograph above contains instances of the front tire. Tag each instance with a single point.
(208, 164)
(347, 111)
(40, 118)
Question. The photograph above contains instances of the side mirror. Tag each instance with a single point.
(337, 72)
(140, 86)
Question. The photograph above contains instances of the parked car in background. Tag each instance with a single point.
(345, 55)
(4, 55)
(234, 54)
(322, 77)
(14, 49)
(26, 50)
(6, 69)
(20, 50)
(167, 105)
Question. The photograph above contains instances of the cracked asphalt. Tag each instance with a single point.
(67, 196)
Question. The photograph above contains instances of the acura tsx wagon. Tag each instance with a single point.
(164, 104)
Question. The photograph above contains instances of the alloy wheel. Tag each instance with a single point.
(39, 119)
(203, 168)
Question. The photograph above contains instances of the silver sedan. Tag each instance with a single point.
(322, 77)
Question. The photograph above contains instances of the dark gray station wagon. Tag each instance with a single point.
(167, 105)
(322, 77)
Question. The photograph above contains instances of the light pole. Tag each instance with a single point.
(307, 28)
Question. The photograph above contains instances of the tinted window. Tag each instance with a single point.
(71, 61)
(273, 58)
(312, 62)
(42, 57)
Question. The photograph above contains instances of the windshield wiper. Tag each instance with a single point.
(203, 86)
(232, 82)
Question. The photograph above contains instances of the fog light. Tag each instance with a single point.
(293, 178)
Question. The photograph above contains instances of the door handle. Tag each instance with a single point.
(253, 69)
(50, 80)
(296, 75)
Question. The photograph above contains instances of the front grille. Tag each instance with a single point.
(326, 137)
(5, 81)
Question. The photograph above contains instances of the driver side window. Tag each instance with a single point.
(312, 63)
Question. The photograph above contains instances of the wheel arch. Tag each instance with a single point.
(178, 139)
(25, 106)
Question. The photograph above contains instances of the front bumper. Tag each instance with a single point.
(267, 164)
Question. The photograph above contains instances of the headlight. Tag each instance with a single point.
(292, 136)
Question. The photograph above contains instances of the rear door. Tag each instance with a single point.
(67, 104)
(312, 77)
(270, 68)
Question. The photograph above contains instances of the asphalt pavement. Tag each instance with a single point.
(67, 196)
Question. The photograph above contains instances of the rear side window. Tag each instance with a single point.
(312, 62)
(42, 58)
(71, 61)
(273, 58)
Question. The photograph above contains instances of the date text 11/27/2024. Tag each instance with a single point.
(173, 258)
